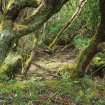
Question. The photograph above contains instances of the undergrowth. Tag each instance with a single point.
(53, 92)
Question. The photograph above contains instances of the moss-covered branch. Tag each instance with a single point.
(10, 33)
(11, 8)
(40, 16)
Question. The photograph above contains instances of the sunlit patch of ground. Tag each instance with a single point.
(46, 66)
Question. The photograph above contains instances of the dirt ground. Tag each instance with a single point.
(45, 66)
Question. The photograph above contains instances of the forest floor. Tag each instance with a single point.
(44, 87)
(46, 66)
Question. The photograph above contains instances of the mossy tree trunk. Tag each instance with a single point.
(29, 60)
(11, 30)
(87, 54)
(11, 66)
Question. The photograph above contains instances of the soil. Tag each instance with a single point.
(45, 66)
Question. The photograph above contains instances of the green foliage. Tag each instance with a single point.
(91, 14)
(81, 42)
(88, 20)
(84, 91)
(98, 63)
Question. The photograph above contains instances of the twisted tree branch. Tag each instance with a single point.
(40, 16)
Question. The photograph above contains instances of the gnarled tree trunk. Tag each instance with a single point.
(11, 30)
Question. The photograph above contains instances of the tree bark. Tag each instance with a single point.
(87, 55)
(11, 31)
(11, 65)
(6, 39)
(12, 8)
(29, 60)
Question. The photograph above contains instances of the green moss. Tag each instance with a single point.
(98, 61)
(10, 64)
(8, 87)
(48, 84)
